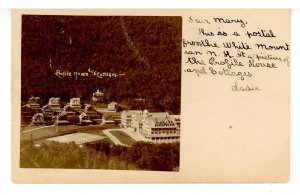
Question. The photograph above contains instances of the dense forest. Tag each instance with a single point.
(101, 155)
(144, 53)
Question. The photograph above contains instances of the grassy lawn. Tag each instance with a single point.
(45, 131)
(50, 128)
(25, 128)
(56, 130)
(123, 137)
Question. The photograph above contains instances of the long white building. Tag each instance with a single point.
(160, 130)
(157, 127)
(126, 117)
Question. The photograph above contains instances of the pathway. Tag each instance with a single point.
(112, 137)
(38, 128)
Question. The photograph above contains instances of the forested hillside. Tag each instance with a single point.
(101, 155)
(146, 51)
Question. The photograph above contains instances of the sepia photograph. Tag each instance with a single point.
(100, 92)
(157, 95)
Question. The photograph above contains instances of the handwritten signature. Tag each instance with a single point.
(248, 87)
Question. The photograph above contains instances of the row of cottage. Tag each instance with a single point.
(69, 114)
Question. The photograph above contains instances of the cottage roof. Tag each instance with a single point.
(98, 93)
(33, 100)
(69, 108)
(46, 107)
(54, 100)
(26, 106)
(62, 114)
(38, 115)
(87, 107)
(113, 103)
(82, 115)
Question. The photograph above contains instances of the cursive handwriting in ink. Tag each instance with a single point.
(197, 20)
(261, 33)
(230, 21)
(248, 87)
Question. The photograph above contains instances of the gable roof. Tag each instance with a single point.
(54, 100)
(69, 108)
(38, 115)
(46, 107)
(161, 122)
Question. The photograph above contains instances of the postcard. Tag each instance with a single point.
(150, 96)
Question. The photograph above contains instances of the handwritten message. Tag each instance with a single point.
(234, 49)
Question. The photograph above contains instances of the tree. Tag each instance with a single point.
(146, 49)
